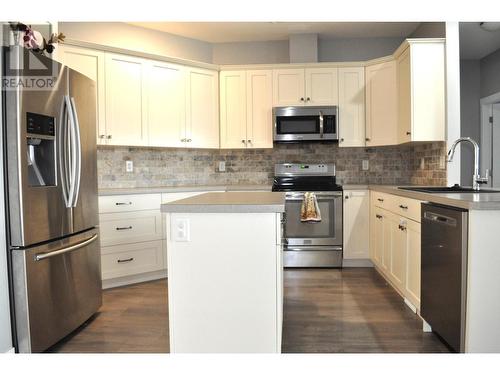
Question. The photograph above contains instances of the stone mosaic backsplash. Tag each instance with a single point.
(155, 167)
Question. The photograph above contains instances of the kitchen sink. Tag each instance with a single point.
(446, 189)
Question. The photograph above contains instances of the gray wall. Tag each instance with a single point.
(270, 52)
(430, 30)
(356, 49)
(470, 94)
(490, 74)
(123, 35)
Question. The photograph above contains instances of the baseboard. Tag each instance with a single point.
(134, 279)
(410, 305)
(426, 326)
(357, 263)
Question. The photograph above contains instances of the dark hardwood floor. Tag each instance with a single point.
(326, 311)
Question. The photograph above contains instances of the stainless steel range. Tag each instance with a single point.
(311, 244)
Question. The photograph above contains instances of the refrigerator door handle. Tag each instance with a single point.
(78, 153)
(63, 250)
(72, 151)
(63, 153)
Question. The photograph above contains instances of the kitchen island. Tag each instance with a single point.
(225, 272)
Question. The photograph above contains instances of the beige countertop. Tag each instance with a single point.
(182, 189)
(469, 201)
(229, 202)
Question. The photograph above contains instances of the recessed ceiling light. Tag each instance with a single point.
(490, 26)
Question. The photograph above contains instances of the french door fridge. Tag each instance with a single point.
(51, 180)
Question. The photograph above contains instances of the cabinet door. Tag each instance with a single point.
(90, 63)
(322, 86)
(288, 87)
(166, 105)
(356, 217)
(381, 104)
(399, 237)
(126, 117)
(233, 119)
(412, 285)
(377, 241)
(352, 107)
(259, 107)
(202, 108)
(404, 95)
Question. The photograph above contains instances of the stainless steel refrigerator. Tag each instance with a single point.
(51, 187)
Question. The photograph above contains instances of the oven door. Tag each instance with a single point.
(327, 232)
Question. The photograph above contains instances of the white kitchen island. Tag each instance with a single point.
(225, 283)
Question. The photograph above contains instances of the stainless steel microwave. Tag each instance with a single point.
(295, 124)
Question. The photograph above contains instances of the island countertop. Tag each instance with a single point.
(229, 202)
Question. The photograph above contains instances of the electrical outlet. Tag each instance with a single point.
(222, 166)
(422, 163)
(181, 230)
(129, 166)
(365, 165)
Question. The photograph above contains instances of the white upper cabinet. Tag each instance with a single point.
(356, 221)
(321, 86)
(310, 86)
(166, 109)
(246, 109)
(381, 104)
(126, 119)
(233, 103)
(288, 87)
(421, 91)
(202, 108)
(259, 109)
(91, 63)
(352, 107)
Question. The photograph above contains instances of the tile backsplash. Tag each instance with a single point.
(154, 167)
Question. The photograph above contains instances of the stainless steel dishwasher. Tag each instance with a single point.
(444, 272)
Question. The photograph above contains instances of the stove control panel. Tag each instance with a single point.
(294, 169)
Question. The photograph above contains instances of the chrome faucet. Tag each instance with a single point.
(477, 180)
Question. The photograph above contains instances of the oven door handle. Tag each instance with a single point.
(300, 196)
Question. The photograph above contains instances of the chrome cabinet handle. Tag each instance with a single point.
(64, 250)
(123, 203)
(403, 207)
(124, 228)
(378, 216)
(125, 260)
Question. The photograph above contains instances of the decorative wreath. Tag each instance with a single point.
(34, 40)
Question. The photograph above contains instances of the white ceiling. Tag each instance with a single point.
(222, 32)
(476, 43)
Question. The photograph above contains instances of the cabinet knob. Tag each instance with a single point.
(189, 140)
(378, 216)
(403, 207)
(102, 136)
(341, 139)
(243, 141)
(301, 99)
(408, 133)
(183, 140)
(346, 197)
(380, 199)
(368, 139)
(308, 99)
(249, 141)
(109, 137)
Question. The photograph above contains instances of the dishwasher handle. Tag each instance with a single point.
(440, 219)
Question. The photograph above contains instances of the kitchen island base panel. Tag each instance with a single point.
(225, 282)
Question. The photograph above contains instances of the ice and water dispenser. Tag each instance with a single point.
(41, 149)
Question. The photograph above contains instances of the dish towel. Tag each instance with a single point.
(309, 212)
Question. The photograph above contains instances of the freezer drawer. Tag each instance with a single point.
(57, 287)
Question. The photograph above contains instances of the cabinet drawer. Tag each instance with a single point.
(407, 207)
(129, 227)
(129, 202)
(131, 259)
(380, 199)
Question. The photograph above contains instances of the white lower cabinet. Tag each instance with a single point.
(356, 220)
(132, 239)
(395, 243)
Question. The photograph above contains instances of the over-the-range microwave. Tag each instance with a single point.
(295, 124)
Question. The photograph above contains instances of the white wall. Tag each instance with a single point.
(5, 329)
(123, 35)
